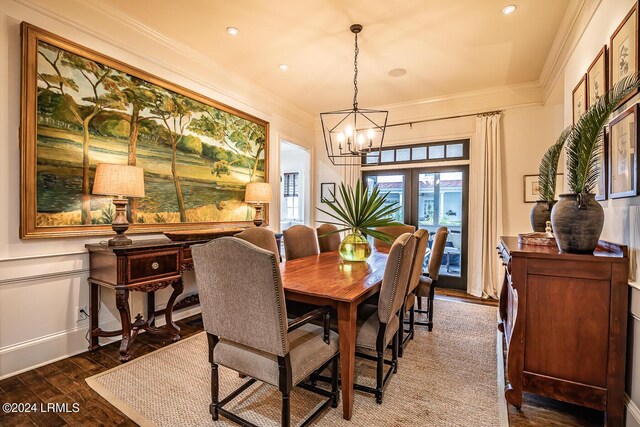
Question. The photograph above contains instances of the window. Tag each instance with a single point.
(292, 196)
(425, 152)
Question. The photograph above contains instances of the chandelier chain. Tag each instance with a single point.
(355, 75)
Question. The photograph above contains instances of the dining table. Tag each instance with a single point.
(328, 280)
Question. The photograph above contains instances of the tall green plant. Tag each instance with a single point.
(548, 171)
(361, 210)
(584, 143)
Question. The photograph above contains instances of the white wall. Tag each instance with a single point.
(621, 215)
(43, 281)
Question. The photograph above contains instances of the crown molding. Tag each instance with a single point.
(574, 22)
(286, 111)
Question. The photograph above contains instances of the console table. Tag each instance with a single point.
(564, 317)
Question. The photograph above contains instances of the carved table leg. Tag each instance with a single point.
(93, 315)
(122, 303)
(173, 329)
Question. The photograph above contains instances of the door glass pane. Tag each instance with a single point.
(403, 154)
(436, 152)
(419, 153)
(454, 150)
(387, 156)
(440, 205)
(392, 184)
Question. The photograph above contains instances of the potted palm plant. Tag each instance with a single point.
(548, 172)
(578, 218)
(359, 212)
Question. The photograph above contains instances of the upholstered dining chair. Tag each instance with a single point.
(300, 241)
(331, 242)
(378, 325)
(422, 242)
(251, 335)
(261, 237)
(427, 284)
(393, 230)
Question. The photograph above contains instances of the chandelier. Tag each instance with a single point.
(356, 134)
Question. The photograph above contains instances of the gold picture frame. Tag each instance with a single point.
(623, 154)
(80, 108)
(597, 77)
(579, 99)
(531, 193)
(623, 50)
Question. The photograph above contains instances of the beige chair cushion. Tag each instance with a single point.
(437, 252)
(261, 237)
(308, 352)
(393, 230)
(329, 243)
(300, 241)
(409, 302)
(422, 241)
(424, 287)
(369, 324)
(393, 290)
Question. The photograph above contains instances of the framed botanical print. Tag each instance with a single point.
(580, 99)
(597, 77)
(623, 157)
(532, 187)
(81, 108)
(601, 186)
(623, 49)
(328, 191)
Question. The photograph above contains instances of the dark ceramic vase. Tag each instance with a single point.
(540, 214)
(577, 221)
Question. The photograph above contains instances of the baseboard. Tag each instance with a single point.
(41, 351)
(633, 413)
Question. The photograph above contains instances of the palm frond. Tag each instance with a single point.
(584, 143)
(549, 167)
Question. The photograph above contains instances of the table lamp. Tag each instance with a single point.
(121, 181)
(258, 193)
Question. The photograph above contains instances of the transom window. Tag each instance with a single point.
(420, 153)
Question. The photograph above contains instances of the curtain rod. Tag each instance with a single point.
(411, 123)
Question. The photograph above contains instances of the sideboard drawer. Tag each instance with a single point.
(148, 266)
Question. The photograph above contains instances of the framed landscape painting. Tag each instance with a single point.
(81, 108)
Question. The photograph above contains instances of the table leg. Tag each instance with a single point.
(347, 313)
(174, 330)
(122, 304)
(93, 315)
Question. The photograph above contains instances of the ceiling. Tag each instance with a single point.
(446, 46)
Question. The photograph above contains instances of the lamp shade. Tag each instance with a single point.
(258, 192)
(119, 180)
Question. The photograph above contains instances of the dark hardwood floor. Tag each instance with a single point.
(63, 382)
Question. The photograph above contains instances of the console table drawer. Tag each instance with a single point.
(152, 265)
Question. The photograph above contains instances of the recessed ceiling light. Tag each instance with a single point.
(508, 10)
(397, 72)
(233, 31)
(284, 67)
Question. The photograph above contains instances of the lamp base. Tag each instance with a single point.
(120, 223)
(258, 218)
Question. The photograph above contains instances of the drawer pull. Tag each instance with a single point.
(155, 265)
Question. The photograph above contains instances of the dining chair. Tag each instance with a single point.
(427, 284)
(252, 335)
(378, 325)
(393, 230)
(300, 241)
(422, 242)
(328, 243)
(261, 237)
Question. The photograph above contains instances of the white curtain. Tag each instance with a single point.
(351, 171)
(485, 213)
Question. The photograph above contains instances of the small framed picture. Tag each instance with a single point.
(623, 49)
(532, 187)
(601, 189)
(580, 99)
(328, 192)
(597, 81)
(623, 158)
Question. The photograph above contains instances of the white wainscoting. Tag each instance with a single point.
(632, 398)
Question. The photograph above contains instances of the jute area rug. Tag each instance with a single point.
(447, 377)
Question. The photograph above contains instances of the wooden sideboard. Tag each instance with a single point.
(564, 317)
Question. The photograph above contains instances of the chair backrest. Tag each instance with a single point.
(437, 252)
(300, 241)
(422, 241)
(393, 230)
(396, 277)
(329, 243)
(241, 304)
(261, 237)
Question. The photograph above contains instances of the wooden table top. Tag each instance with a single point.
(605, 251)
(328, 276)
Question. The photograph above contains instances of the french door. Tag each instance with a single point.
(431, 198)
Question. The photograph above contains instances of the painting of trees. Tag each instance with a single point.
(84, 108)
